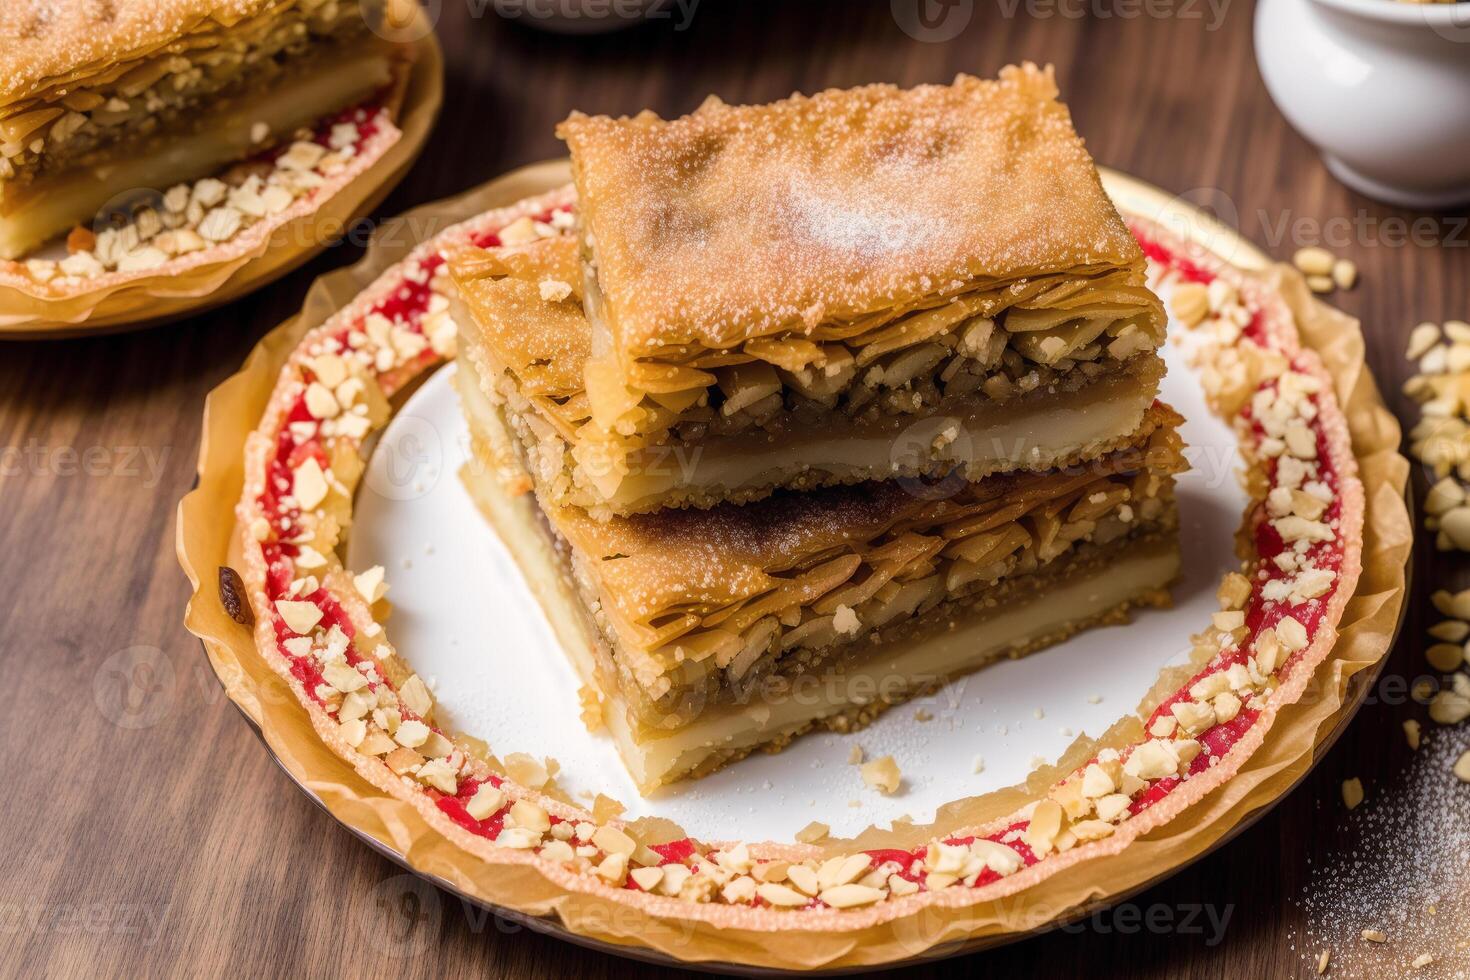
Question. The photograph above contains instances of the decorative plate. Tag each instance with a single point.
(195, 281)
(450, 736)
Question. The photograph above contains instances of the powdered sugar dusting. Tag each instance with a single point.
(1405, 875)
(743, 221)
(836, 222)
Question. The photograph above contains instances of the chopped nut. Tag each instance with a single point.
(486, 802)
(1313, 260)
(411, 734)
(415, 695)
(739, 891)
(780, 895)
(1045, 824)
(370, 584)
(1412, 733)
(841, 870)
(612, 840)
(1352, 792)
(1455, 524)
(1113, 807)
(1291, 634)
(647, 878)
(851, 896)
(1190, 303)
(1323, 960)
(1449, 708)
(1422, 960)
(309, 484)
(1193, 716)
(1450, 630)
(882, 774)
(1374, 936)
(1445, 657)
(804, 878)
(1087, 830)
(1452, 604)
(1421, 339)
(1234, 591)
(440, 775)
(1462, 767)
(614, 868)
(377, 743)
(320, 401)
(518, 837)
(220, 224)
(300, 617)
(519, 232)
(403, 760)
(554, 290)
(531, 816)
(1345, 273)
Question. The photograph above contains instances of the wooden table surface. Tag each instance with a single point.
(148, 831)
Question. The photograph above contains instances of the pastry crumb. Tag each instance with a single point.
(882, 774)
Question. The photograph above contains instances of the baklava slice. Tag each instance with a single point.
(785, 295)
(104, 107)
(702, 635)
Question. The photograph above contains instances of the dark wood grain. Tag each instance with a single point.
(148, 832)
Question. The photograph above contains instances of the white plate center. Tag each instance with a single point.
(465, 620)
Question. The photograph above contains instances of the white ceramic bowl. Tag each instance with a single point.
(1381, 87)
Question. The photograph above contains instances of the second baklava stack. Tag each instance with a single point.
(824, 403)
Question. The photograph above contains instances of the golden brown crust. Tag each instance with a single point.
(647, 563)
(48, 41)
(833, 206)
(521, 318)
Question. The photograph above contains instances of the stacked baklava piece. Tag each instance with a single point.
(823, 403)
(99, 100)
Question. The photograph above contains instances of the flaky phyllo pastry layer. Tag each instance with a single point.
(862, 253)
(702, 607)
(101, 99)
(1047, 371)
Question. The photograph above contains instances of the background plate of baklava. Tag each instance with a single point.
(501, 545)
(158, 159)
